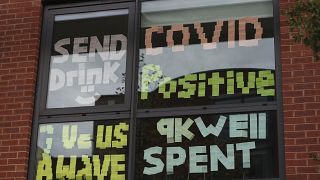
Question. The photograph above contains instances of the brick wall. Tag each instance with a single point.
(301, 95)
(19, 44)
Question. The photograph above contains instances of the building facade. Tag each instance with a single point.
(165, 89)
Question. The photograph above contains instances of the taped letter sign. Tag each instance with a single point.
(223, 145)
(86, 150)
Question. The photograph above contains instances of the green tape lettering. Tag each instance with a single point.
(69, 138)
(86, 172)
(66, 171)
(103, 142)
(215, 82)
(250, 83)
(265, 80)
(118, 134)
(116, 167)
(172, 87)
(191, 88)
(100, 173)
(44, 167)
(84, 141)
(230, 82)
(150, 74)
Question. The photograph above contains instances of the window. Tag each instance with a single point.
(207, 52)
(162, 89)
(88, 59)
(208, 146)
(88, 54)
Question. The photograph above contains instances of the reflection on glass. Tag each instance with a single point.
(82, 150)
(200, 52)
(215, 146)
(88, 59)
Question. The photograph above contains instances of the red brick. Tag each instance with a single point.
(297, 177)
(304, 113)
(303, 155)
(291, 80)
(293, 107)
(296, 162)
(21, 168)
(292, 93)
(23, 154)
(293, 134)
(13, 106)
(311, 66)
(292, 67)
(9, 142)
(312, 92)
(297, 47)
(7, 168)
(299, 148)
(314, 176)
(5, 125)
(19, 148)
(306, 141)
(4, 149)
(13, 75)
(288, 127)
(304, 170)
(313, 133)
(290, 55)
(16, 174)
(294, 120)
(314, 119)
(303, 86)
(290, 155)
(302, 60)
(4, 136)
(313, 162)
(313, 105)
(10, 130)
(314, 148)
(289, 141)
(304, 99)
(303, 127)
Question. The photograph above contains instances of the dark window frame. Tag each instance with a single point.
(130, 110)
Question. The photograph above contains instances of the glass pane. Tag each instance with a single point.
(89, 150)
(215, 146)
(88, 59)
(203, 52)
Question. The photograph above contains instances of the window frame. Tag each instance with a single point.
(129, 110)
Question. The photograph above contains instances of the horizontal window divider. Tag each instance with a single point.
(87, 117)
(53, 6)
(84, 110)
(206, 110)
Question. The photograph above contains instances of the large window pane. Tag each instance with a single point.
(202, 52)
(90, 150)
(88, 59)
(213, 146)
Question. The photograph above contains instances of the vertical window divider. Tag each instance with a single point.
(134, 94)
(279, 100)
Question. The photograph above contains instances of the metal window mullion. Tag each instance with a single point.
(134, 94)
